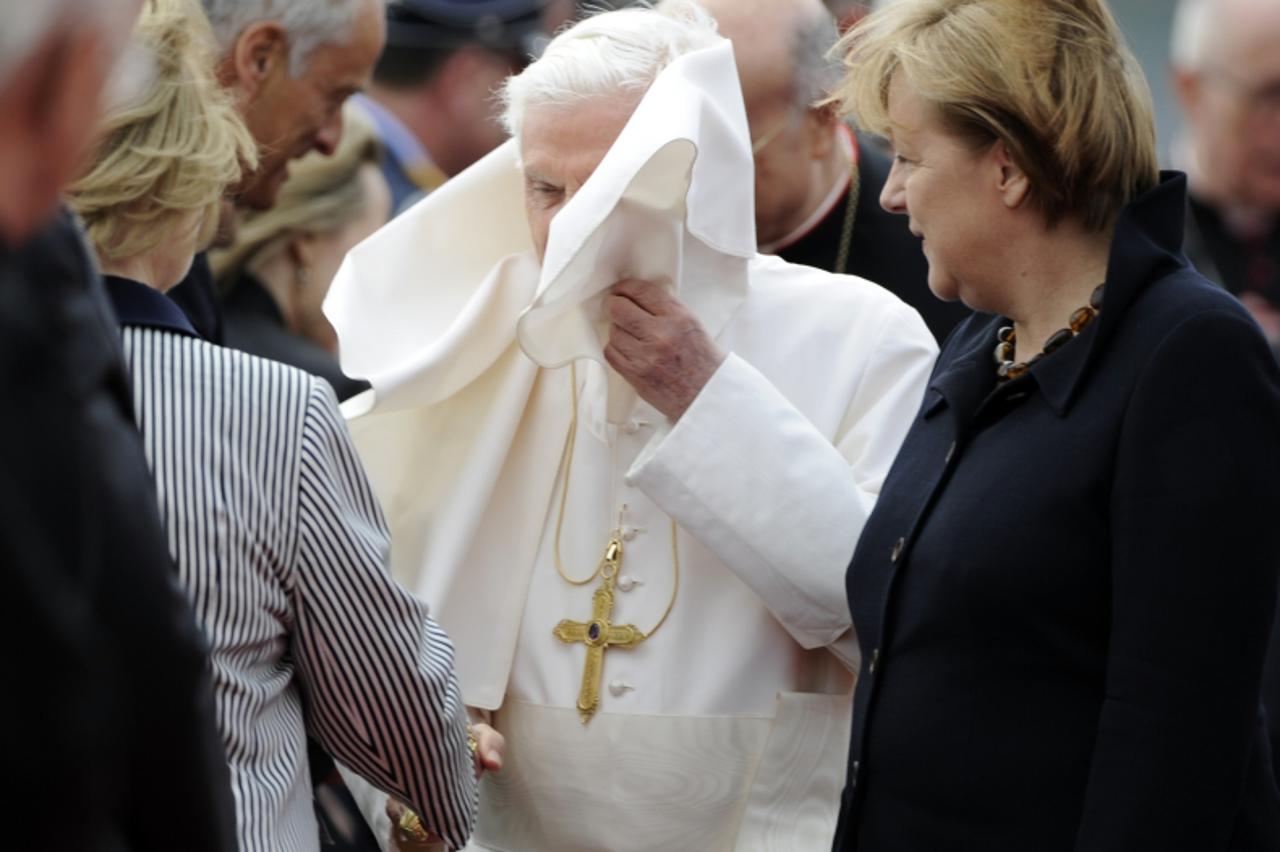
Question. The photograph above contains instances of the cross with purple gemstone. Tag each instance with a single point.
(599, 634)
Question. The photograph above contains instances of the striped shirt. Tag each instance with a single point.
(283, 551)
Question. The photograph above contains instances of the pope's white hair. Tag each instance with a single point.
(606, 54)
(309, 23)
(1192, 21)
(25, 26)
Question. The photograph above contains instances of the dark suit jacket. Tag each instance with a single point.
(108, 741)
(1065, 590)
(253, 323)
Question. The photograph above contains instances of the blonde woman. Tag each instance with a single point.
(278, 271)
(1065, 590)
(273, 527)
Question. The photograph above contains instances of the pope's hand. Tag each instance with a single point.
(490, 746)
(658, 346)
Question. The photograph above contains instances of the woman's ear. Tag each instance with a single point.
(1013, 184)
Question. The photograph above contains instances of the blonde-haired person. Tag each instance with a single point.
(1065, 590)
(278, 271)
(149, 197)
(276, 535)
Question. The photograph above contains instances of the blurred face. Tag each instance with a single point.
(51, 102)
(560, 150)
(786, 143)
(466, 87)
(326, 252)
(290, 116)
(946, 193)
(1233, 105)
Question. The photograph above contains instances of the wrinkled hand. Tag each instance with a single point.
(658, 346)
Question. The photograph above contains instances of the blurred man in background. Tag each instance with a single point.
(433, 94)
(109, 737)
(291, 64)
(1226, 73)
(817, 183)
(274, 276)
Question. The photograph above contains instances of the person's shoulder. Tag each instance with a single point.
(810, 288)
(1186, 338)
(1183, 299)
(831, 315)
(270, 385)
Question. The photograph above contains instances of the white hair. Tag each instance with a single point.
(24, 27)
(309, 24)
(607, 53)
(1193, 22)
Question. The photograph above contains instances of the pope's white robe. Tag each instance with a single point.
(727, 728)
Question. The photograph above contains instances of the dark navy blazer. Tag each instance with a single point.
(1065, 591)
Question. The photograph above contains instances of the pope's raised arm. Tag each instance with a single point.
(777, 499)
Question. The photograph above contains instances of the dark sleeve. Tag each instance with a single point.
(377, 670)
(1271, 698)
(109, 715)
(1195, 554)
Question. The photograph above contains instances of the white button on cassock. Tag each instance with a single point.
(619, 687)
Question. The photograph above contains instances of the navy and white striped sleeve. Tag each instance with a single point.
(376, 669)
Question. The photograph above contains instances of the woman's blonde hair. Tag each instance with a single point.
(172, 151)
(1051, 79)
(321, 194)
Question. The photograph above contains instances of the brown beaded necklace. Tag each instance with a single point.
(1006, 337)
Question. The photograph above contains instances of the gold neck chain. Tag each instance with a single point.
(850, 216)
(609, 563)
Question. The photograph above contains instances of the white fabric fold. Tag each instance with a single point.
(655, 209)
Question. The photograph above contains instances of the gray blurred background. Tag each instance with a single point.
(1147, 23)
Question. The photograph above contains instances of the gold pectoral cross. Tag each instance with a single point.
(599, 634)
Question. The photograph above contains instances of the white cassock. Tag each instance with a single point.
(726, 729)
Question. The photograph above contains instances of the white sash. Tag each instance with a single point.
(637, 783)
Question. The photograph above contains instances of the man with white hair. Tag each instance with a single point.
(291, 64)
(1226, 73)
(625, 457)
(817, 181)
(109, 734)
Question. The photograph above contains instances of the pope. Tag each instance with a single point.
(626, 459)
